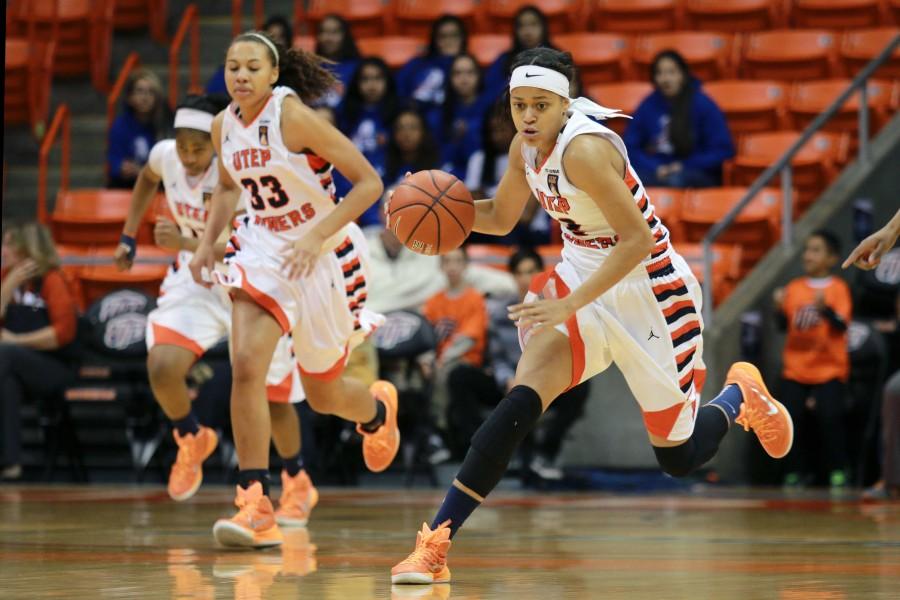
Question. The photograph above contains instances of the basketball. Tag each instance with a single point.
(431, 212)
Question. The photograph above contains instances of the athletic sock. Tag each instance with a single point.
(457, 506)
(187, 424)
(247, 477)
(729, 402)
(380, 415)
(293, 464)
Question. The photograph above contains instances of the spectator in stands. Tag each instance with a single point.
(485, 168)
(141, 122)
(816, 310)
(334, 41)
(366, 111)
(423, 78)
(541, 448)
(678, 136)
(411, 147)
(461, 385)
(37, 324)
(530, 30)
(278, 28)
(463, 114)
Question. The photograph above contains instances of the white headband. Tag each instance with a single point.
(554, 81)
(191, 118)
(268, 43)
(540, 77)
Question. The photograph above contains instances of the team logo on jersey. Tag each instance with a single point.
(263, 135)
(553, 184)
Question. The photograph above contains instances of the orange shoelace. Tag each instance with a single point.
(759, 420)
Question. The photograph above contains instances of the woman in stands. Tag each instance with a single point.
(299, 266)
(531, 29)
(190, 319)
(334, 41)
(37, 324)
(621, 294)
(678, 136)
(423, 78)
(142, 121)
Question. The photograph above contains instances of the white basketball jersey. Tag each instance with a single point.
(188, 198)
(582, 221)
(288, 192)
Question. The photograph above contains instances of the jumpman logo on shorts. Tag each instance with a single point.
(652, 335)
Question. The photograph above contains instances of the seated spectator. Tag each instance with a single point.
(141, 122)
(678, 137)
(400, 278)
(367, 108)
(276, 27)
(463, 114)
(816, 310)
(530, 30)
(541, 448)
(37, 323)
(423, 78)
(462, 386)
(335, 42)
(411, 147)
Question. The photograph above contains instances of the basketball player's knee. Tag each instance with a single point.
(247, 367)
(509, 424)
(279, 410)
(164, 368)
(677, 461)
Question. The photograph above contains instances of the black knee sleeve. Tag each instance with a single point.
(495, 441)
(710, 428)
(677, 461)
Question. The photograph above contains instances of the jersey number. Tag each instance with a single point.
(276, 200)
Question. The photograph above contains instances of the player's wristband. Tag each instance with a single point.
(129, 241)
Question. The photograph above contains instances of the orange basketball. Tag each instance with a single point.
(431, 212)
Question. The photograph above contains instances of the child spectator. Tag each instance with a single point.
(815, 310)
(335, 42)
(463, 114)
(678, 137)
(37, 323)
(140, 123)
(530, 30)
(422, 79)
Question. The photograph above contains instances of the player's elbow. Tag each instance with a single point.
(642, 241)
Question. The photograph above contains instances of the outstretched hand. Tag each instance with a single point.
(868, 253)
(300, 258)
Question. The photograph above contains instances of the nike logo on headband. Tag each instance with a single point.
(532, 74)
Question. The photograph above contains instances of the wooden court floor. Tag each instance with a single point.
(115, 542)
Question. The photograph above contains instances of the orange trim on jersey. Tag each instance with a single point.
(265, 301)
(680, 358)
(575, 340)
(668, 312)
(699, 379)
(356, 282)
(261, 111)
(686, 379)
(164, 336)
(347, 268)
(658, 265)
(281, 392)
(661, 422)
(332, 373)
(544, 162)
(695, 324)
(671, 285)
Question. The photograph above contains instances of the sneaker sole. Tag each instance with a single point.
(188, 494)
(291, 522)
(416, 579)
(231, 535)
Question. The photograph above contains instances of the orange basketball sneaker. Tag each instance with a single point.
(187, 472)
(428, 562)
(298, 497)
(380, 447)
(254, 526)
(768, 417)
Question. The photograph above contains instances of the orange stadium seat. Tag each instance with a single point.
(790, 55)
(396, 50)
(496, 16)
(707, 53)
(29, 68)
(757, 228)
(726, 267)
(894, 7)
(490, 255)
(131, 14)
(366, 17)
(82, 30)
(749, 105)
(634, 16)
(90, 217)
(486, 47)
(667, 206)
(861, 46)
(808, 99)
(601, 57)
(98, 280)
(733, 15)
(625, 95)
(836, 14)
(813, 167)
(414, 17)
(305, 42)
(551, 253)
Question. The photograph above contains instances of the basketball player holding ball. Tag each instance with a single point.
(621, 294)
(298, 266)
